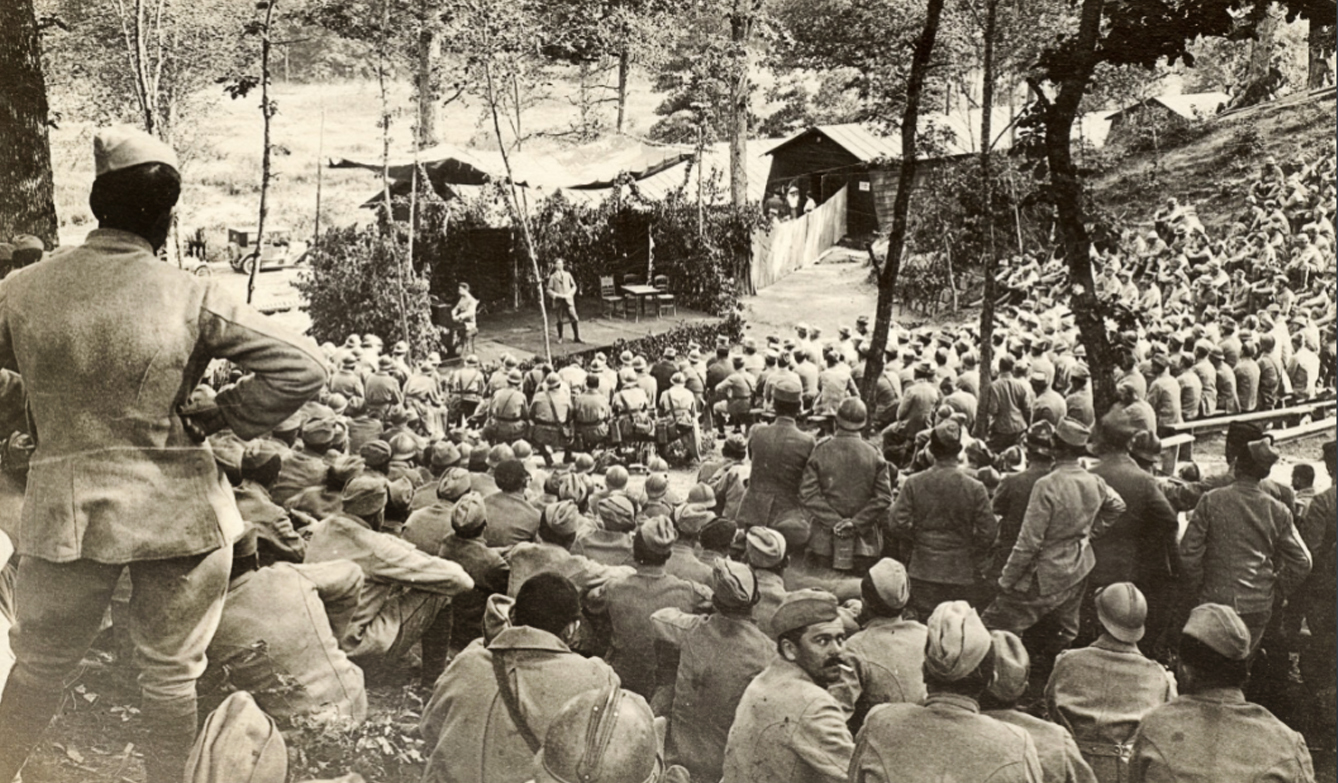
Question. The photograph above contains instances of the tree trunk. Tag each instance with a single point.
(896, 243)
(1067, 195)
(267, 112)
(624, 70)
(1321, 45)
(426, 92)
(991, 257)
(27, 201)
(1265, 19)
(738, 107)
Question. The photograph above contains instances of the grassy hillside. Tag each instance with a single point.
(221, 153)
(1224, 153)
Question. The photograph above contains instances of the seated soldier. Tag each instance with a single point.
(405, 588)
(278, 636)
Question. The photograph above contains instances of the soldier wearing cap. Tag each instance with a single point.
(888, 652)
(779, 453)
(429, 526)
(610, 542)
(918, 402)
(492, 708)
(405, 588)
(846, 492)
(508, 412)
(718, 656)
(383, 387)
(681, 405)
(346, 379)
(764, 551)
(629, 601)
(590, 415)
(946, 516)
(296, 614)
(1047, 404)
(1102, 691)
(1014, 493)
(278, 540)
(734, 397)
(1228, 401)
(550, 415)
(1007, 407)
(1241, 547)
(467, 389)
(788, 728)
(1049, 564)
(512, 518)
(1211, 732)
(1055, 749)
(947, 738)
(109, 343)
(1079, 403)
(551, 552)
(689, 519)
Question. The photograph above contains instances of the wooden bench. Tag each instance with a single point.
(1222, 423)
(1305, 430)
(1170, 450)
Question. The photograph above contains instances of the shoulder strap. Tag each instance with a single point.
(552, 405)
(512, 703)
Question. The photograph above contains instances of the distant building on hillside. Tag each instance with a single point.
(825, 158)
(1162, 113)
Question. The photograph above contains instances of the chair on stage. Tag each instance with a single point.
(608, 294)
(664, 300)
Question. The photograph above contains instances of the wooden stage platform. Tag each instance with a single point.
(520, 332)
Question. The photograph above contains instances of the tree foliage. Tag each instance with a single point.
(359, 283)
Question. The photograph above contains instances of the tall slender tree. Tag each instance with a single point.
(910, 120)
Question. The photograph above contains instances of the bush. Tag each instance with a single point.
(360, 282)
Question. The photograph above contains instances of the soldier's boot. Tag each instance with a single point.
(576, 332)
(559, 328)
(24, 714)
(168, 743)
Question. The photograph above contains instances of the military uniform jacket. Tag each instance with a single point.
(511, 519)
(1008, 406)
(1055, 749)
(1247, 384)
(889, 657)
(1241, 545)
(1216, 735)
(947, 515)
(846, 478)
(718, 657)
(295, 614)
(787, 729)
(110, 341)
(629, 601)
(780, 452)
(917, 406)
(1067, 507)
(467, 727)
(1140, 545)
(1100, 694)
(526, 560)
(946, 739)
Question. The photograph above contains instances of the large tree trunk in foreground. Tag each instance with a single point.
(1265, 18)
(991, 255)
(896, 243)
(1067, 195)
(27, 197)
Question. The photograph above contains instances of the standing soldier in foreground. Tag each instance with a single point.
(110, 342)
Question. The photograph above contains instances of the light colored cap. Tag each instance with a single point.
(1012, 666)
(851, 414)
(1073, 432)
(765, 547)
(561, 518)
(803, 608)
(657, 485)
(1220, 628)
(365, 495)
(733, 584)
(616, 513)
(957, 642)
(658, 534)
(690, 518)
(122, 146)
(470, 513)
(890, 582)
(454, 484)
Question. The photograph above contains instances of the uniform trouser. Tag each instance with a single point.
(925, 596)
(1017, 611)
(174, 611)
(566, 311)
(391, 620)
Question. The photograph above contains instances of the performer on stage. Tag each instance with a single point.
(562, 292)
(464, 315)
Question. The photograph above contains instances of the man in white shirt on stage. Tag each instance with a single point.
(562, 292)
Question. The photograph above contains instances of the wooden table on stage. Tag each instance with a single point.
(641, 292)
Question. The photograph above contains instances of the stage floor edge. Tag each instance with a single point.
(520, 332)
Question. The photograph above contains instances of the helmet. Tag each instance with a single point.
(601, 736)
(1122, 610)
